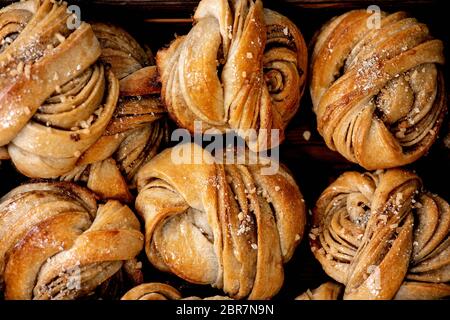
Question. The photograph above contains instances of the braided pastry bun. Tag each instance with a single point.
(382, 236)
(378, 94)
(160, 291)
(137, 127)
(224, 225)
(240, 67)
(55, 99)
(56, 242)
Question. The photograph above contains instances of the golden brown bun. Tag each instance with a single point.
(382, 236)
(55, 100)
(378, 94)
(262, 58)
(64, 114)
(56, 242)
(224, 225)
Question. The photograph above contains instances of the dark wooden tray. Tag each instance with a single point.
(312, 163)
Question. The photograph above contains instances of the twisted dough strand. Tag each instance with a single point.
(224, 225)
(378, 94)
(57, 243)
(378, 233)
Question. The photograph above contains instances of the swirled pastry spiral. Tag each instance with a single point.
(55, 99)
(137, 127)
(160, 291)
(378, 94)
(240, 67)
(382, 236)
(56, 242)
(225, 225)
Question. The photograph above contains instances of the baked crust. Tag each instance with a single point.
(58, 243)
